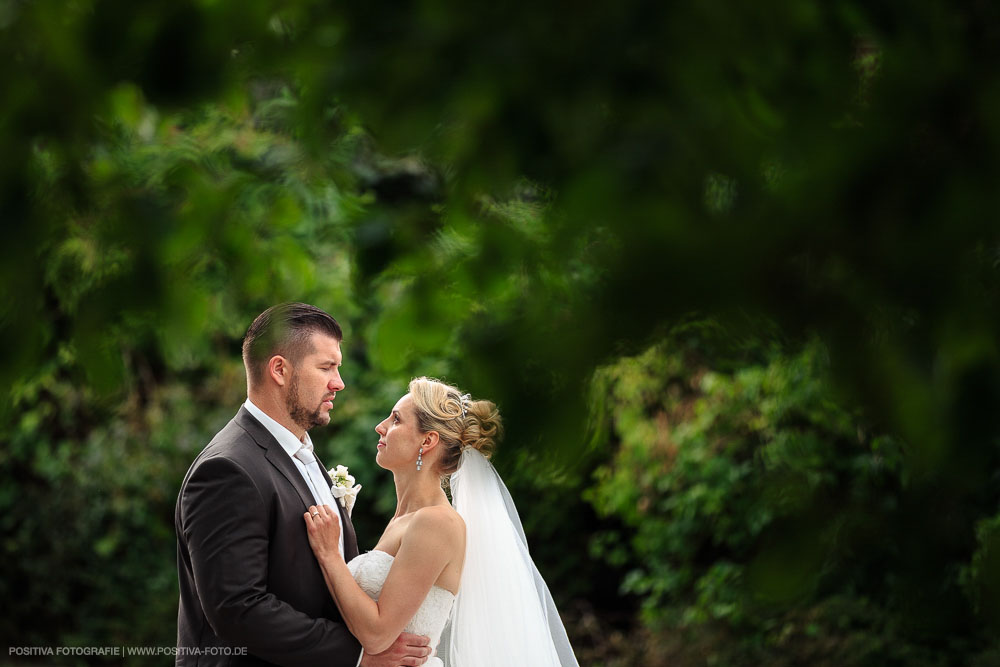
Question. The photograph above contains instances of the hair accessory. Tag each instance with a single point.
(465, 400)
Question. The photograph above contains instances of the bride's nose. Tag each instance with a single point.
(380, 427)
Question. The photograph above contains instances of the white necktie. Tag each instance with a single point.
(318, 483)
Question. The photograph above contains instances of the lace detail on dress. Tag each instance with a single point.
(370, 571)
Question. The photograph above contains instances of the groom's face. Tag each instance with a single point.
(315, 382)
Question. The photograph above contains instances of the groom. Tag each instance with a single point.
(251, 592)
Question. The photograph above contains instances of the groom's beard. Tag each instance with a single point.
(299, 413)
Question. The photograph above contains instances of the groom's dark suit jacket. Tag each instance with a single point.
(247, 575)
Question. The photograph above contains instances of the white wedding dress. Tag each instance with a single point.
(370, 570)
(504, 614)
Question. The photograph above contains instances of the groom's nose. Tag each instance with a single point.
(336, 383)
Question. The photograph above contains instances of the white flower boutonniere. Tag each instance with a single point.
(344, 489)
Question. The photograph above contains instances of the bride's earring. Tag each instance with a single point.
(420, 458)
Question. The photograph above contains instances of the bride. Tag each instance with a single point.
(465, 561)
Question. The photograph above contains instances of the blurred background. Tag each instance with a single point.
(731, 271)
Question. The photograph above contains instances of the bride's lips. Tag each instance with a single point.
(380, 445)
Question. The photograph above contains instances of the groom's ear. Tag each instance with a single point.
(278, 369)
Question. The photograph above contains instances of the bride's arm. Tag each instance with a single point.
(431, 541)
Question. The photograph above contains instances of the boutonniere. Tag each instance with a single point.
(344, 489)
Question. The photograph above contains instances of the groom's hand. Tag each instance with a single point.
(409, 650)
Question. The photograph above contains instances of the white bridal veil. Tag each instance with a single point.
(504, 614)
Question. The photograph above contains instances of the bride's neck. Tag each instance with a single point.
(417, 490)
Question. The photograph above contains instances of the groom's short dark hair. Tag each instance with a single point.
(284, 329)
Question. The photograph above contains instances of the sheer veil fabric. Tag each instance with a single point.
(504, 613)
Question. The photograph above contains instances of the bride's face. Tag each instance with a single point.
(399, 438)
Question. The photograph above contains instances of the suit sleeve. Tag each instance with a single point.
(225, 527)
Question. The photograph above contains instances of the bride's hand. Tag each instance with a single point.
(323, 527)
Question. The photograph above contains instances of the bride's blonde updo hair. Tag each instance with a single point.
(439, 408)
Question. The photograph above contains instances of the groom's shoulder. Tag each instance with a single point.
(236, 440)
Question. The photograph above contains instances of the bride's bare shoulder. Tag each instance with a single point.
(440, 520)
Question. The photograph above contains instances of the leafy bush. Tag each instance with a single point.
(760, 507)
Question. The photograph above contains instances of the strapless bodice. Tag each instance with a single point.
(370, 571)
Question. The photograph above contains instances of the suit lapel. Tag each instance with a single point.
(279, 458)
(350, 539)
(275, 455)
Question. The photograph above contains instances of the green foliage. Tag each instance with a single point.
(511, 198)
(982, 577)
(755, 501)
